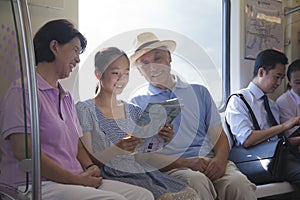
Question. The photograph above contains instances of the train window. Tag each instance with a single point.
(195, 25)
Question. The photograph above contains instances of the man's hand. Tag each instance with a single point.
(197, 164)
(216, 168)
(213, 168)
(295, 121)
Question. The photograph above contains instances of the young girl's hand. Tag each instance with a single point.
(167, 132)
(128, 143)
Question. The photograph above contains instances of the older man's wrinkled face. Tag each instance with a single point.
(155, 66)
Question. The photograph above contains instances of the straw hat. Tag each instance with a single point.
(148, 41)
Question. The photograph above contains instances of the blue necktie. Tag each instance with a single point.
(271, 119)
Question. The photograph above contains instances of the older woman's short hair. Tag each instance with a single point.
(60, 30)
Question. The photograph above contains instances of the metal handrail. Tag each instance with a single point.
(28, 54)
(288, 11)
(226, 4)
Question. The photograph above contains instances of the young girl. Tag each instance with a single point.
(289, 102)
(107, 122)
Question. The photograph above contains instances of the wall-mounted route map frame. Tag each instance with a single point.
(263, 26)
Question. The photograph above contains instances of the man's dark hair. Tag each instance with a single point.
(267, 59)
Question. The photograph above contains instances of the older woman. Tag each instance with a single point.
(67, 171)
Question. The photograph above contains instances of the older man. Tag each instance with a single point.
(200, 144)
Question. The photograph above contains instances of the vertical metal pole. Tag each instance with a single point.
(33, 96)
(225, 52)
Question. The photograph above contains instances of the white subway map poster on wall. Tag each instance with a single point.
(263, 26)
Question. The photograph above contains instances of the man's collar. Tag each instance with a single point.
(255, 90)
(152, 90)
(180, 83)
